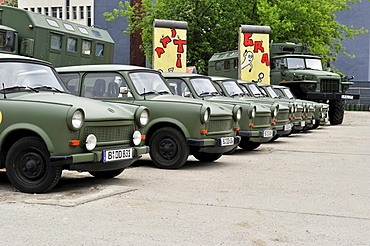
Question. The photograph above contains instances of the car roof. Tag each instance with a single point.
(102, 68)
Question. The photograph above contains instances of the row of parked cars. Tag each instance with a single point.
(102, 118)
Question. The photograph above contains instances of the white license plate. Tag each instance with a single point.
(303, 123)
(314, 121)
(287, 127)
(267, 133)
(226, 141)
(117, 154)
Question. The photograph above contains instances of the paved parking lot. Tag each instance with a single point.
(306, 189)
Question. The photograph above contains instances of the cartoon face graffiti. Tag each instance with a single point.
(248, 59)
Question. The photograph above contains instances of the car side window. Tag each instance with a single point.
(179, 87)
(72, 81)
(105, 85)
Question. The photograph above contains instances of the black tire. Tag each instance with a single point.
(168, 148)
(274, 138)
(28, 166)
(336, 111)
(107, 174)
(317, 124)
(249, 145)
(207, 157)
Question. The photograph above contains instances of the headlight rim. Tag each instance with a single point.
(70, 119)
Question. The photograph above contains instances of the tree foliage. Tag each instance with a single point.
(12, 3)
(213, 24)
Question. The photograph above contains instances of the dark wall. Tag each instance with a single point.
(358, 16)
(115, 29)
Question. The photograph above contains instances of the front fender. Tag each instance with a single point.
(167, 120)
(27, 127)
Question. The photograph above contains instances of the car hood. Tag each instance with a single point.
(216, 109)
(94, 109)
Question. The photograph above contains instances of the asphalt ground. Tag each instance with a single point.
(306, 189)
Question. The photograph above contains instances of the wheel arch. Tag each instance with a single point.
(161, 124)
(12, 134)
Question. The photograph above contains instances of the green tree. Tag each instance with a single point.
(213, 24)
(12, 3)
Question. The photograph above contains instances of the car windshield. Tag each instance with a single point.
(271, 92)
(314, 64)
(295, 63)
(28, 75)
(288, 93)
(303, 63)
(203, 87)
(232, 88)
(149, 83)
(255, 91)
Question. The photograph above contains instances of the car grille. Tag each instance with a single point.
(329, 85)
(262, 121)
(110, 133)
(219, 125)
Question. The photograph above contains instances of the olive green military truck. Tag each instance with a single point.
(297, 67)
(44, 129)
(178, 126)
(60, 42)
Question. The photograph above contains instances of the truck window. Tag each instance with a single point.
(72, 44)
(56, 41)
(86, 47)
(99, 50)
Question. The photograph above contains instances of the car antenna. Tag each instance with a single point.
(4, 91)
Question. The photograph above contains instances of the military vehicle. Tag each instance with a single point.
(178, 127)
(257, 122)
(321, 109)
(301, 113)
(283, 121)
(44, 129)
(60, 42)
(297, 67)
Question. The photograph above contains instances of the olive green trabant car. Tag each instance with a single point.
(231, 88)
(304, 110)
(178, 126)
(321, 110)
(257, 122)
(44, 129)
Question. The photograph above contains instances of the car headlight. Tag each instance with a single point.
(274, 111)
(75, 119)
(90, 142)
(253, 113)
(205, 115)
(136, 137)
(237, 113)
(142, 116)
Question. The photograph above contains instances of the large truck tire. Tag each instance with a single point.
(336, 111)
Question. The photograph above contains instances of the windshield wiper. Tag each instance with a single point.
(207, 93)
(163, 92)
(17, 87)
(46, 88)
(236, 94)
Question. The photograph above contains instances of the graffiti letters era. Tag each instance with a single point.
(254, 56)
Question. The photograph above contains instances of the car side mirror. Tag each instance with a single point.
(123, 90)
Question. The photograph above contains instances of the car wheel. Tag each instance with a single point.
(336, 111)
(107, 174)
(168, 148)
(28, 166)
(207, 157)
